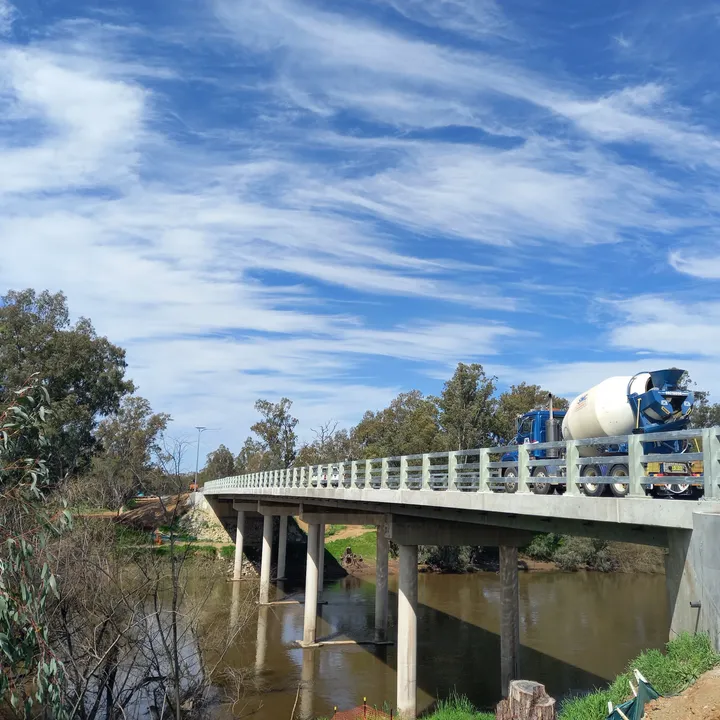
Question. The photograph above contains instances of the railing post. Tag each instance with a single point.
(353, 473)
(341, 475)
(384, 474)
(293, 480)
(635, 466)
(484, 475)
(452, 470)
(303, 477)
(403, 473)
(523, 468)
(368, 473)
(710, 448)
(572, 470)
(425, 485)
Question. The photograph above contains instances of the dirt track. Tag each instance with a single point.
(699, 702)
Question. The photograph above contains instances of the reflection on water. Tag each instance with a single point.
(578, 630)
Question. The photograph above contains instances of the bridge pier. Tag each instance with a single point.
(311, 585)
(692, 574)
(381, 584)
(510, 617)
(239, 535)
(407, 633)
(282, 547)
(321, 559)
(265, 559)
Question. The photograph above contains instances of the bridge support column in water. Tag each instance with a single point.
(321, 559)
(510, 617)
(265, 559)
(692, 574)
(407, 633)
(239, 533)
(311, 585)
(282, 547)
(381, 584)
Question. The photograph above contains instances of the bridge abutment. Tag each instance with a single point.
(692, 569)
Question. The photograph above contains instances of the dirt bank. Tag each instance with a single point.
(699, 702)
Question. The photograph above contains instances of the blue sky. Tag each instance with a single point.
(338, 201)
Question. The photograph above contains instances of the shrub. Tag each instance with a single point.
(544, 546)
(447, 559)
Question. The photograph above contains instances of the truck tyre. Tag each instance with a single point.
(540, 487)
(511, 484)
(591, 489)
(619, 489)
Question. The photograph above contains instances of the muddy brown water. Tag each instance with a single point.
(578, 630)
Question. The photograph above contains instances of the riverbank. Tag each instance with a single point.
(689, 670)
(684, 661)
(547, 553)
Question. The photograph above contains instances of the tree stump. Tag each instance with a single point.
(526, 700)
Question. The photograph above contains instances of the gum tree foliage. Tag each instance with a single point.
(220, 463)
(32, 676)
(84, 374)
(467, 407)
(276, 430)
(409, 425)
(128, 450)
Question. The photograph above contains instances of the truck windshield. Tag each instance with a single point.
(525, 426)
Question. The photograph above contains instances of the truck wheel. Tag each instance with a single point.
(619, 489)
(592, 489)
(510, 475)
(540, 487)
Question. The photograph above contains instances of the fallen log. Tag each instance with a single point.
(526, 700)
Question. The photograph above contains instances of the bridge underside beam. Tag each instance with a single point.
(639, 534)
(417, 531)
(342, 518)
(280, 510)
(245, 506)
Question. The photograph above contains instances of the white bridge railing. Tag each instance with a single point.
(483, 470)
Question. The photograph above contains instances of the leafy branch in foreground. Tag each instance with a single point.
(31, 676)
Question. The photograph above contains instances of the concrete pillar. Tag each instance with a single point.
(311, 585)
(510, 617)
(239, 534)
(407, 633)
(282, 547)
(381, 585)
(321, 559)
(265, 559)
(692, 575)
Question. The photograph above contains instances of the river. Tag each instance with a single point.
(578, 630)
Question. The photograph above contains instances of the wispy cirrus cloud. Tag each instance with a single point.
(334, 203)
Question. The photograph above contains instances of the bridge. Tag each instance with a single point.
(467, 497)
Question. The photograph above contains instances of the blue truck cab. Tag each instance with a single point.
(536, 427)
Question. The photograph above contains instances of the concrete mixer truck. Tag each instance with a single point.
(649, 402)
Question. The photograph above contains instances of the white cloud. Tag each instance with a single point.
(476, 18)
(702, 262)
(7, 17)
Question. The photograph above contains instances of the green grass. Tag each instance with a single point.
(686, 658)
(458, 707)
(334, 529)
(361, 545)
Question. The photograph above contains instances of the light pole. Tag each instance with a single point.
(200, 430)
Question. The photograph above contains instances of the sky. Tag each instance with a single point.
(339, 201)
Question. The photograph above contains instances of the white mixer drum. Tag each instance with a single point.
(604, 410)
